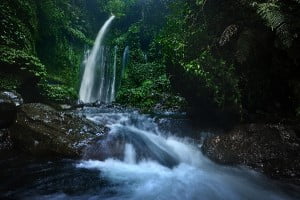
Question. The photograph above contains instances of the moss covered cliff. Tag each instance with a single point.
(42, 44)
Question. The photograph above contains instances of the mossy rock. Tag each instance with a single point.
(42, 131)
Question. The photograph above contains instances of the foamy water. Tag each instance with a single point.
(157, 165)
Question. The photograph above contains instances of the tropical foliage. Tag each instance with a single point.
(232, 56)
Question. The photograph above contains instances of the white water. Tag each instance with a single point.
(129, 154)
(125, 59)
(95, 68)
(147, 169)
(113, 84)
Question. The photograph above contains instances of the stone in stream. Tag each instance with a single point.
(273, 149)
(9, 101)
(146, 147)
(43, 131)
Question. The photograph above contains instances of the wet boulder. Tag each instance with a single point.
(42, 130)
(9, 101)
(127, 143)
(270, 148)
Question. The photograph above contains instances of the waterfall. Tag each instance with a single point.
(145, 57)
(113, 84)
(125, 59)
(86, 56)
(97, 79)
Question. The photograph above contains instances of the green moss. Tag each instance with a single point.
(117, 7)
(19, 24)
(64, 31)
(42, 43)
(57, 93)
(79, 36)
(18, 61)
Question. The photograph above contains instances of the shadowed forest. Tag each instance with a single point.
(203, 94)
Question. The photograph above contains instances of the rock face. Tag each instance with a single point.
(271, 148)
(5, 141)
(43, 131)
(9, 101)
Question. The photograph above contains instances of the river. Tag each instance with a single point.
(143, 157)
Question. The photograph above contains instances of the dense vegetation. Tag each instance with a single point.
(46, 38)
(146, 82)
(226, 58)
(235, 56)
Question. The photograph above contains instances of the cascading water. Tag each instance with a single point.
(113, 84)
(140, 158)
(145, 57)
(142, 161)
(96, 79)
(125, 59)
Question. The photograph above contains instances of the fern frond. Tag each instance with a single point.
(275, 19)
(270, 12)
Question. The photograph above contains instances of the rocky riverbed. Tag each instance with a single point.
(40, 130)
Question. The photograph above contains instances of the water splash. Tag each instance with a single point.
(95, 77)
(151, 164)
(129, 154)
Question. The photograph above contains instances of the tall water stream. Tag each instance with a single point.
(98, 80)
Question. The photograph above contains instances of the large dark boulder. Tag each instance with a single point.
(5, 141)
(41, 130)
(9, 101)
(270, 148)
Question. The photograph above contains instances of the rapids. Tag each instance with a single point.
(143, 157)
